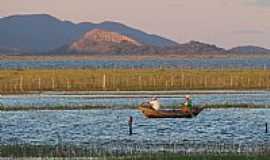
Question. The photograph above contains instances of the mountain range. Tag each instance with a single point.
(45, 34)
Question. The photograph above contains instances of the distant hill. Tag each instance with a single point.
(98, 41)
(249, 50)
(142, 37)
(195, 47)
(11, 51)
(42, 32)
(36, 32)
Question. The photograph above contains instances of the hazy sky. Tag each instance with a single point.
(226, 23)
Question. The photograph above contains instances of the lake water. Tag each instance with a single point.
(108, 127)
(178, 63)
(104, 127)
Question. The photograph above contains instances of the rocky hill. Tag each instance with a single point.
(99, 41)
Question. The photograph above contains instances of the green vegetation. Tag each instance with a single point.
(21, 81)
(29, 108)
(89, 107)
(196, 157)
(62, 151)
(224, 106)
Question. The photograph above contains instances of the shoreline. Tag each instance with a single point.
(129, 94)
(125, 57)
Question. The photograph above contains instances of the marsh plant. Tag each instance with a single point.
(21, 81)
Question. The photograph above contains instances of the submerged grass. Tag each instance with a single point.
(243, 106)
(89, 107)
(21, 81)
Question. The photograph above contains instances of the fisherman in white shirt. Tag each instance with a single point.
(155, 103)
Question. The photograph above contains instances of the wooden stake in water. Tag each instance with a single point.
(140, 81)
(104, 82)
(266, 128)
(52, 83)
(130, 121)
(21, 83)
(39, 83)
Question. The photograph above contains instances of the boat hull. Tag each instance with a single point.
(149, 112)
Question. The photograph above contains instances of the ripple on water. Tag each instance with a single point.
(110, 126)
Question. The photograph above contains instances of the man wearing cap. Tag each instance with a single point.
(187, 104)
(155, 103)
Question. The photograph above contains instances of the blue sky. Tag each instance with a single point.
(227, 23)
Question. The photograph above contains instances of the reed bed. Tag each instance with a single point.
(22, 81)
(115, 151)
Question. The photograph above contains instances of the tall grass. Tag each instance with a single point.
(18, 81)
(172, 151)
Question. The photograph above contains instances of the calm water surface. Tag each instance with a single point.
(155, 63)
(101, 127)
(108, 127)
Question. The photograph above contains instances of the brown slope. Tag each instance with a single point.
(102, 41)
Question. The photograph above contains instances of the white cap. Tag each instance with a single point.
(154, 98)
(187, 96)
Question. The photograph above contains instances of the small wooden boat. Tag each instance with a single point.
(149, 112)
